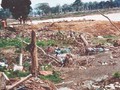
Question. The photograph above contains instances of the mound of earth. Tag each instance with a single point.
(94, 27)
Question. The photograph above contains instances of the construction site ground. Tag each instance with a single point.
(98, 66)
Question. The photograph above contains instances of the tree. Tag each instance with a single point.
(111, 3)
(38, 11)
(117, 3)
(56, 9)
(77, 5)
(67, 8)
(101, 5)
(4, 13)
(18, 8)
(44, 7)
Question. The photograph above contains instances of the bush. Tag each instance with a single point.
(116, 75)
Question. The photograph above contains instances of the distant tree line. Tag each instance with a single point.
(77, 5)
(4, 13)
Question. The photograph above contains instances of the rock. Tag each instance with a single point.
(17, 67)
(82, 68)
(100, 37)
(104, 63)
(64, 88)
(46, 73)
(95, 87)
(88, 84)
(117, 85)
(110, 87)
(3, 64)
(101, 78)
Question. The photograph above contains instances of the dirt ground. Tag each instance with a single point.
(91, 26)
(96, 69)
(102, 64)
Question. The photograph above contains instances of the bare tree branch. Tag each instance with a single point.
(17, 83)
(109, 21)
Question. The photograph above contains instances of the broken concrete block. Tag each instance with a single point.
(17, 67)
(111, 87)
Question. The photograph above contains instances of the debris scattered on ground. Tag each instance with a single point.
(85, 57)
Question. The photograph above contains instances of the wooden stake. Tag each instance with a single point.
(33, 51)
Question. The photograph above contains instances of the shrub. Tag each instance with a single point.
(116, 75)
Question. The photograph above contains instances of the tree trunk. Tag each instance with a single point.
(33, 51)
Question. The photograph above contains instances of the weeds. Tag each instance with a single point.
(46, 43)
(116, 75)
(13, 74)
(17, 43)
(54, 78)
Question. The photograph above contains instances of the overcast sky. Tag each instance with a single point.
(61, 2)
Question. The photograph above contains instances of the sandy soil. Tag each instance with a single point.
(93, 27)
(113, 17)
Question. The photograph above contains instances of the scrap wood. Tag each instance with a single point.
(17, 83)
(5, 76)
(3, 79)
(56, 60)
(84, 40)
(37, 84)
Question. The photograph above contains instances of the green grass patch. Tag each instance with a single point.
(54, 78)
(99, 41)
(10, 42)
(46, 43)
(13, 74)
(17, 43)
(104, 39)
(111, 37)
(116, 75)
(26, 65)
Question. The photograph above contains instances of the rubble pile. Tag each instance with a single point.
(79, 56)
(38, 84)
